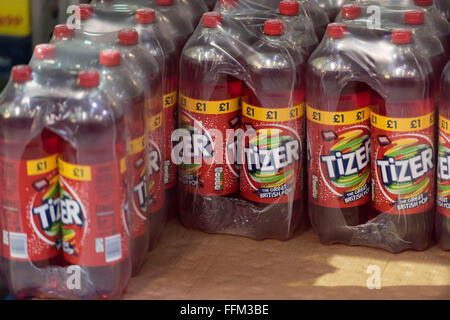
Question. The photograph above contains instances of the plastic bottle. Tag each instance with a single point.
(443, 175)
(209, 104)
(299, 29)
(164, 50)
(29, 216)
(338, 127)
(92, 170)
(403, 145)
(138, 56)
(273, 123)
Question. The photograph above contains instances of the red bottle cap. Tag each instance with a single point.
(414, 17)
(336, 30)
(401, 36)
(212, 19)
(21, 74)
(164, 2)
(229, 3)
(88, 79)
(145, 16)
(86, 11)
(44, 51)
(128, 37)
(110, 58)
(289, 7)
(273, 27)
(62, 31)
(423, 3)
(351, 11)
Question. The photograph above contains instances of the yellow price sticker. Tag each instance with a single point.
(337, 118)
(273, 114)
(444, 124)
(41, 166)
(170, 100)
(210, 107)
(402, 124)
(154, 122)
(137, 145)
(74, 172)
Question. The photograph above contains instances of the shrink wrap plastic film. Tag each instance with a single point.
(371, 139)
(443, 175)
(240, 147)
(87, 148)
(308, 8)
(392, 11)
(332, 7)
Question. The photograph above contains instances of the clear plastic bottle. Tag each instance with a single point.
(94, 185)
(273, 124)
(209, 100)
(30, 218)
(332, 204)
(443, 176)
(165, 51)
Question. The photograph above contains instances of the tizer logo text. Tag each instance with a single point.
(400, 171)
(48, 213)
(346, 164)
(272, 160)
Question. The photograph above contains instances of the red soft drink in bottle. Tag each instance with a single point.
(209, 112)
(92, 168)
(274, 145)
(338, 129)
(443, 176)
(403, 146)
(29, 184)
(165, 51)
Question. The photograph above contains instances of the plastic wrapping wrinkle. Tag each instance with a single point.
(229, 59)
(366, 94)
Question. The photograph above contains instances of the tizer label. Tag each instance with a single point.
(137, 170)
(155, 167)
(30, 218)
(339, 157)
(209, 148)
(170, 115)
(443, 175)
(93, 212)
(273, 146)
(403, 163)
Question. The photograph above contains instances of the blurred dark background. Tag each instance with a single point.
(25, 23)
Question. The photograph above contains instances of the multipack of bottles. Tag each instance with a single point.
(240, 145)
(443, 173)
(83, 158)
(371, 121)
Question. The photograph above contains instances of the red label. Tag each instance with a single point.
(209, 153)
(339, 157)
(443, 176)
(273, 145)
(403, 164)
(170, 124)
(155, 155)
(31, 221)
(93, 201)
(137, 168)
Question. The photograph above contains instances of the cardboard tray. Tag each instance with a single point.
(189, 264)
